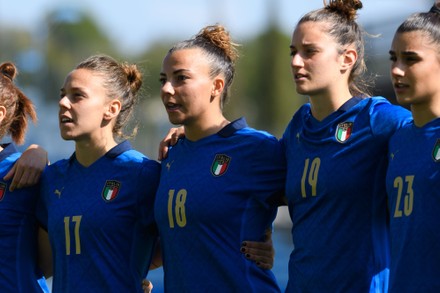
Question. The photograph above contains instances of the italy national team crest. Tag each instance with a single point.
(436, 151)
(220, 164)
(343, 131)
(2, 190)
(111, 190)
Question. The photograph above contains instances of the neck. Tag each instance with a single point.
(89, 152)
(204, 128)
(423, 113)
(324, 104)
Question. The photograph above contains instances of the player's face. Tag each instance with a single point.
(186, 86)
(315, 61)
(415, 68)
(82, 105)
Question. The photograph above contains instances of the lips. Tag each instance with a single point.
(400, 86)
(299, 76)
(65, 119)
(172, 106)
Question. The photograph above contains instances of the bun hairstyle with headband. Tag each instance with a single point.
(340, 17)
(219, 49)
(18, 107)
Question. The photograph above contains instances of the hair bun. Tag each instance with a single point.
(435, 9)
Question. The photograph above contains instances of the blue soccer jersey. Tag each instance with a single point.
(413, 185)
(100, 221)
(18, 232)
(337, 198)
(213, 194)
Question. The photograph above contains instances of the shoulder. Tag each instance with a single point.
(386, 118)
(261, 146)
(258, 138)
(58, 165)
(384, 107)
(383, 112)
(135, 159)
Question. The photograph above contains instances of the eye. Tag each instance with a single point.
(311, 51)
(181, 77)
(162, 80)
(411, 59)
(393, 58)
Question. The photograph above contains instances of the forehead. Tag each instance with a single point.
(184, 59)
(311, 32)
(83, 78)
(413, 41)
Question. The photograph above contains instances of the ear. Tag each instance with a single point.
(2, 113)
(113, 109)
(349, 58)
(218, 85)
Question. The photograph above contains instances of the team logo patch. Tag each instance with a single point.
(343, 131)
(436, 151)
(111, 190)
(2, 190)
(220, 164)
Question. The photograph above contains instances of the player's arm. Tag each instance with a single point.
(28, 168)
(156, 261)
(44, 253)
(170, 139)
(262, 253)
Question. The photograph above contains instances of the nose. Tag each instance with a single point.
(297, 60)
(64, 102)
(167, 89)
(397, 69)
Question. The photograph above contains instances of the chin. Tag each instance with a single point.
(175, 120)
(302, 91)
(66, 136)
(404, 101)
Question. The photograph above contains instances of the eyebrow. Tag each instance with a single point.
(175, 71)
(405, 53)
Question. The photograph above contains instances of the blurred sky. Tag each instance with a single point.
(134, 24)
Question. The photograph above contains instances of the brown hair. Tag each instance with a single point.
(426, 22)
(121, 80)
(18, 107)
(341, 17)
(221, 52)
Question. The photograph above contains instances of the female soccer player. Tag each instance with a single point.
(218, 183)
(18, 226)
(336, 149)
(413, 177)
(97, 205)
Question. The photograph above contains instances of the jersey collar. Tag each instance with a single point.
(8, 149)
(115, 151)
(233, 127)
(119, 149)
(350, 104)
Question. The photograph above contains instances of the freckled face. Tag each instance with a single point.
(186, 86)
(415, 68)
